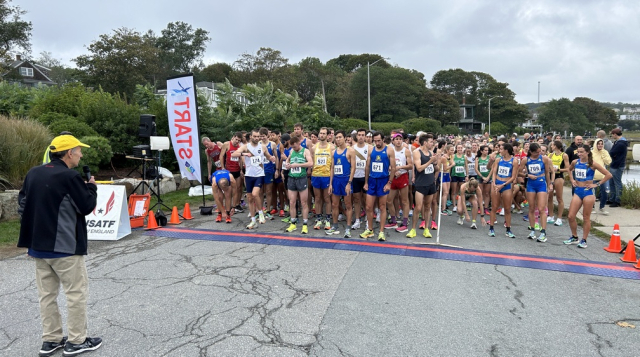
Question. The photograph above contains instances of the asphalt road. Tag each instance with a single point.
(154, 296)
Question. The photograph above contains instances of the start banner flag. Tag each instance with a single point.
(183, 124)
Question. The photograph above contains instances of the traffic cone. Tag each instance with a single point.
(615, 246)
(174, 216)
(187, 211)
(151, 222)
(637, 266)
(630, 253)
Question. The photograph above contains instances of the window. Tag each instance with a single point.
(26, 71)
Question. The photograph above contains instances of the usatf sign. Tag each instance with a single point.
(110, 219)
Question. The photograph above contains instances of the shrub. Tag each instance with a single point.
(449, 129)
(99, 153)
(352, 124)
(498, 129)
(417, 124)
(75, 126)
(385, 128)
(65, 100)
(15, 100)
(51, 117)
(22, 146)
(630, 194)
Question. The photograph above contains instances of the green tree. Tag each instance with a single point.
(58, 72)
(442, 107)
(497, 128)
(352, 63)
(266, 65)
(15, 33)
(562, 114)
(181, 47)
(118, 62)
(217, 72)
(421, 124)
(457, 82)
(600, 116)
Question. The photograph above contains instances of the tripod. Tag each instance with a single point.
(158, 197)
(144, 183)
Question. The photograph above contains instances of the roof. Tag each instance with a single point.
(42, 69)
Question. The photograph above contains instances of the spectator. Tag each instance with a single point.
(572, 153)
(618, 154)
(548, 138)
(601, 156)
(601, 134)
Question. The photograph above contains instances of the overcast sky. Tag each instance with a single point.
(573, 47)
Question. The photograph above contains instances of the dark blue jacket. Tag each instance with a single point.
(619, 153)
(53, 203)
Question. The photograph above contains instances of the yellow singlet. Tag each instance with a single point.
(322, 162)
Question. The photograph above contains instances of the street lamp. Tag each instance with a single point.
(498, 96)
(369, 87)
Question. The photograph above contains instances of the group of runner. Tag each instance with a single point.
(364, 175)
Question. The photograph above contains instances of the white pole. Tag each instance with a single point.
(369, 93)
(439, 206)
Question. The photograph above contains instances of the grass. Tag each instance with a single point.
(630, 197)
(9, 233)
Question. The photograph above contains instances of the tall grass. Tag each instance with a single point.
(630, 197)
(22, 145)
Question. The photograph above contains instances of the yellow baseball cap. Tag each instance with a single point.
(65, 142)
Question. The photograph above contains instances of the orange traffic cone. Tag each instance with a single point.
(637, 266)
(615, 246)
(174, 216)
(630, 253)
(187, 211)
(151, 222)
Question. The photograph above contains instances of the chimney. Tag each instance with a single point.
(18, 58)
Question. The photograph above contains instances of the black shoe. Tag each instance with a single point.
(90, 344)
(49, 348)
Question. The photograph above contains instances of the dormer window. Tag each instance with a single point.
(26, 72)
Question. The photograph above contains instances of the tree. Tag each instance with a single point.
(181, 47)
(351, 63)
(217, 72)
(597, 114)
(499, 129)
(442, 107)
(58, 72)
(118, 62)
(457, 82)
(15, 33)
(266, 65)
(563, 115)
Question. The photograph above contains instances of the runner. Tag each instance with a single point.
(279, 189)
(233, 165)
(320, 178)
(400, 183)
(445, 165)
(381, 165)
(560, 162)
(342, 170)
(504, 174)
(270, 172)
(470, 192)
(483, 168)
(297, 162)
(425, 181)
(458, 173)
(223, 184)
(584, 169)
(254, 153)
(539, 171)
(362, 150)
(213, 155)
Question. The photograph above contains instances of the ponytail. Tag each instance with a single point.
(473, 183)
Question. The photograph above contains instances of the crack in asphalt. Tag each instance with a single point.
(518, 293)
(600, 343)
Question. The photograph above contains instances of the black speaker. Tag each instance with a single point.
(147, 126)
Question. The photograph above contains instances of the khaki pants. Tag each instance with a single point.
(72, 273)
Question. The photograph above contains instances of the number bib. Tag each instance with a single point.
(321, 161)
(255, 160)
(504, 171)
(337, 169)
(556, 167)
(471, 167)
(459, 169)
(360, 164)
(483, 168)
(535, 169)
(265, 160)
(296, 170)
(581, 173)
(377, 167)
(429, 169)
(218, 164)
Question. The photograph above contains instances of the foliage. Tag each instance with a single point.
(217, 73)
(562, 114)
(15, 100)
(498, 129)
(351, 63)
(449, 129)
(420, 124)
(65, 100)
(15, 33)
(629, 124)
(266, 65)
(442, 107)
(98, 154)
(181, 47)
(630, 195)
(385, 128)
(520, 130)
(76, 127)
(22, 146)
(352, 124)
(597, 114)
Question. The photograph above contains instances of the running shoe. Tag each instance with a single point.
(532, 233)
(391, 225)
(367, 234)
(525, 218)
(228, 219)
(427, 234)
(502, 212)
(551, 219)
(434, 225)
(332, 230)
(510, 234)
(422, 225)
(252, 225)
(603, 212)
(542, 238)
(518, 211)
(525, 203)
(400, 213)
(487, 211)
(411, 234)
(455, 209)
(492, 233)
(286, 220)
(378, 217)
(261, 218)
(356, 225)
(460, 220)
(402, 229)
(292, 227)
(305, 229)
(238, 209)
(317, 225)
(410, 213)
(347, 233)
(473, 225)
(582, 244)
(537, 226)
(479, 210)
(268, 216)
(341, 217)
(327, 225)
(219, 217)
(558, 222)
(281, 213)
(381, 237)
(449, 212)
(571, 240)
(286, 208)
(273, 211)
(449, 203)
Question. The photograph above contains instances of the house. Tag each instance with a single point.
(532, 123)
(27, 73)
(209, 90)
(468, 123)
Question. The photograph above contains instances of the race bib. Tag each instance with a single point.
(483, 168)
(361, 164)
(429, 169)
(459, 169)
(581, 173)
(265, 160)
(321, 161)
(337, 170)
(535, 169)
(377, 167)
(236, 159)
(296, 170)
(218, 164)
(397, 163)
(504, 171)
(255, 160)
(556, 167)
(471, 167)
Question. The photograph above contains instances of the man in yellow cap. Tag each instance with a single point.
(54, 201)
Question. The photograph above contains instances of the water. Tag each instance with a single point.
(631, 172)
